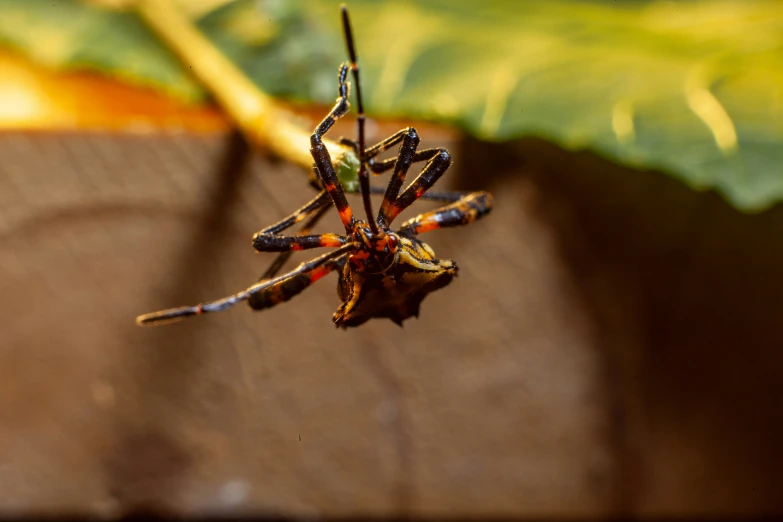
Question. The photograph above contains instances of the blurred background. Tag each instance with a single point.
(612, 345)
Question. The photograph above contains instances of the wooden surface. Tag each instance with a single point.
(612, 345)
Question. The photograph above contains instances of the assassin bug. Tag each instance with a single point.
(381, 273)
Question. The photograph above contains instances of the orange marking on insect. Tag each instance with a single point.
(199, 309)
(426, 226)
(346, 215)
(318, 273)
(331, 240)
(420, 190)
(357, 260)
(392, 211)
(359, 257)
(296, 246)
(273, 296)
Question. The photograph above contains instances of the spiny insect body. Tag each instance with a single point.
(381, 272)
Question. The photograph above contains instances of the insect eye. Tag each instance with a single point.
(393, 242)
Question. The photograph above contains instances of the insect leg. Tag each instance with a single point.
(321, 200)
(291, 287)
(278, 289)
(430, 196)
(257, 301)
(376, 149)
(388, 143)
(267, 240)
(466, 208)
(280, 260)
(273, 243)
(379, 167)
(437, 164)
(411, 143)
(410, 140)
(406, 156)
(323, 160)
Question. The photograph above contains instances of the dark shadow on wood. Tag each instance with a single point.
(145, 469)
(686, 295)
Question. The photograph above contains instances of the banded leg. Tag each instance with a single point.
(321, 200)
(267, 240)
(410, 140)
(388, 143)
(292, 286)
(379, 167)
(429, 196)
(273, 243)
(280, 260)
(382, 146)
(465, 209)
(323, 161)
(406, 149)
(310, 271)
(259, 301)
(439, 161)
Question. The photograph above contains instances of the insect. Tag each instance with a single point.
(381, 273)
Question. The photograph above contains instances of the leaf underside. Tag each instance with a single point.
(694, 89)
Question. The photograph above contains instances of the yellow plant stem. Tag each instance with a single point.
(263, 122)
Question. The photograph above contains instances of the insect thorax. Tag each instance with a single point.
(396, 292)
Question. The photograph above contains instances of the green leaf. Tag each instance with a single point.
(694, 89)
(285, 49)
(65, 34)
(71, 35)
(691, 88)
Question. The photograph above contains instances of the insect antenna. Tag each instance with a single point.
(364, 176)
